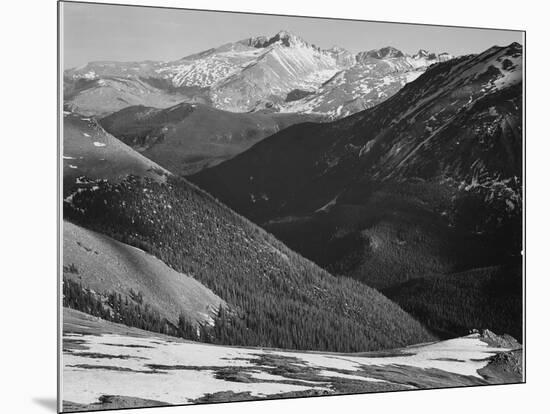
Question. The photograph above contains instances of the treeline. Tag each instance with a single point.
(113, 307)
(276, 298)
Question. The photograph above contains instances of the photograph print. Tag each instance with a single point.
(265, 206)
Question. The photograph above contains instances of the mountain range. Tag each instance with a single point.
(280, 73)
(332, 201)
(203, 109)
(423, 185)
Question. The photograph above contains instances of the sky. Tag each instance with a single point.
(94, 32)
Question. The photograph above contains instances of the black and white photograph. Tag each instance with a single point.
(260, 206)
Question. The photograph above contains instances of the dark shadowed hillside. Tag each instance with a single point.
(448, 304)
(426, 184)
(275, 297)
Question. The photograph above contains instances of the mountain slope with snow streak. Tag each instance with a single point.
(376, 75)
(442, 125)
(90, 154)
(355, 89)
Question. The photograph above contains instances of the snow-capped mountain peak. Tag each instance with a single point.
(422, 52)
(385, 53)
(288, 38)
(256, 73)
(283, 37)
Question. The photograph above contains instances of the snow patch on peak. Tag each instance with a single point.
(283, 37)
(385, 53)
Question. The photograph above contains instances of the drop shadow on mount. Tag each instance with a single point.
(47, 402)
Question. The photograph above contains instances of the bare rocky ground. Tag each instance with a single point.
(111, 366)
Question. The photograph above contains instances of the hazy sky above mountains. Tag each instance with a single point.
(122, 33)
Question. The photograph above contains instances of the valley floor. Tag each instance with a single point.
(109, 366)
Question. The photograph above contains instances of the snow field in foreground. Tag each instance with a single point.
(119, 365)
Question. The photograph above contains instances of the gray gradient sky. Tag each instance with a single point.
(107, 32)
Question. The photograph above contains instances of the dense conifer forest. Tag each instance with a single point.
(452, 305)
(276, 297)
